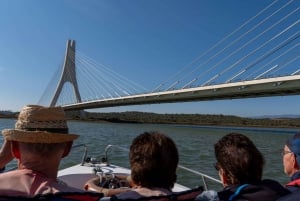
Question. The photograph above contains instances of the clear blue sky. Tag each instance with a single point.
(145, 41)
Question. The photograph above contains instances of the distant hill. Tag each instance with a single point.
(5, 112)
(287, 121)
(284, 116)
(188, 119)
(8, 114)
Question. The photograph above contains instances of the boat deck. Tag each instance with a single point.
(77, 175)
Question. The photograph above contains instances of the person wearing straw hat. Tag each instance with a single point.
(39, 141)
(5, 155)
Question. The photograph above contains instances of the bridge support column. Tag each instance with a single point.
(68, 75)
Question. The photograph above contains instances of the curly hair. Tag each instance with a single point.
(239, 158)
(153, 159)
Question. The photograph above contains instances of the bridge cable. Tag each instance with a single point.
(234, 42)
(216, 45)
(244, 45)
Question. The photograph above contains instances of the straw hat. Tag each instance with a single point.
(38, 124)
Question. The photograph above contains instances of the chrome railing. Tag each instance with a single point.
(108, 147)
(202, 175)
(84, 153)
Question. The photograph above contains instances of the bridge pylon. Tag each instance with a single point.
(68, 73)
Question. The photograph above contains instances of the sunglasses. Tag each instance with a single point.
(217, 166)
(283, 152)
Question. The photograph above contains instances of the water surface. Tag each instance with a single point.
(195, 144)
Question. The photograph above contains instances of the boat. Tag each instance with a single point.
(111, 176)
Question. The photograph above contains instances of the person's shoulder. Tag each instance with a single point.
(291, 197)
(15, 173)
(274, 185)
(126, 195)
(179, 196)
(209, 195)
(266, 190)
(188, 194)
(270, 181)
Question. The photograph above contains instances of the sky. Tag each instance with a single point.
(145, 41)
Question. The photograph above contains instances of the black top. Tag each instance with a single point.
(295, 196)
(266, 190)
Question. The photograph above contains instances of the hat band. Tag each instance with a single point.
(51, 130)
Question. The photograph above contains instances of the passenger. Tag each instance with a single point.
(38, 142)
(240, 167)
(5, 155)
(153, 160)
(291, 166)
(291, 162)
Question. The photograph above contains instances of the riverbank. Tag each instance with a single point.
(9, 116)
(188, 119)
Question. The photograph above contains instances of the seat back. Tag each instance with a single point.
(188, 195)
(60, 196)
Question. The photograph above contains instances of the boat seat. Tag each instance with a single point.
(188, 195)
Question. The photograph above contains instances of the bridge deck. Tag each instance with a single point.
(286, 85)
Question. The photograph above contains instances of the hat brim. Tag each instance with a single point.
(37, 136)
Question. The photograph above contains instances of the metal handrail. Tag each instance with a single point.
(107, 148)
(84, 154)
(203, 176)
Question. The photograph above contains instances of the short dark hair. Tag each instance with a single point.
(153, 159)
(239, 158)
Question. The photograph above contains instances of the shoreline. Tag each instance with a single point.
(183, 124)
(186, 124)
(181, 119)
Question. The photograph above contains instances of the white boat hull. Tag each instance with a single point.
(77, 175)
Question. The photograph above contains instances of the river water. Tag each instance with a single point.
(195, 145)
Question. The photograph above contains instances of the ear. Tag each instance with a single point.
(295, 162)
(223, 177)
(15, 149)
(67, 149)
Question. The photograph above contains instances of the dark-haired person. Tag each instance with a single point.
(153, 160)
(240, 167)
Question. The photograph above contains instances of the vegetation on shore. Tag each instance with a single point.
(191, 119)
(8, 114)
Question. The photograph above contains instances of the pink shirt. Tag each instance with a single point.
(27, 182)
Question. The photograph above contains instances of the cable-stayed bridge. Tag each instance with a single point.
(260, 58)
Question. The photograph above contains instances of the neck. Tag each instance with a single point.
(47, 169)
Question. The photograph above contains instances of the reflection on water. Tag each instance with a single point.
(195, 144)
